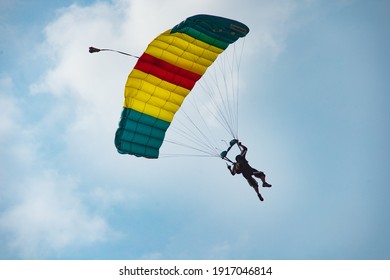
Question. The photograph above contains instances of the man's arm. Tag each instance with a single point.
(243, 149)
(232, 170)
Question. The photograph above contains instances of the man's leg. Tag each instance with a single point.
(253, 183)
(261, 175)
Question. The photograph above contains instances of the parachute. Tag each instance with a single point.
(163, 77)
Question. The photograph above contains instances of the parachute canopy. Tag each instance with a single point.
(165, 74)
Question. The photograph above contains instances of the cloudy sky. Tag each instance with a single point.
(313, 112)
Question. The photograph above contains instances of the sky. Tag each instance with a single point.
(313, 113)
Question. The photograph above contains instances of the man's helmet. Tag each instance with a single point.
(239, 158)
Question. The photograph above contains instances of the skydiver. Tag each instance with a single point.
(241, 166)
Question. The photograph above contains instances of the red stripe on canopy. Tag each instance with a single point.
(167, 71)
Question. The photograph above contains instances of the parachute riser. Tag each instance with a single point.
(224, 153)
(227, 159)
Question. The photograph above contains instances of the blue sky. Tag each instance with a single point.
(313, 113)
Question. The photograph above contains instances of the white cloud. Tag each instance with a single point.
(9, 110)
(48, 216)
(43, 210)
